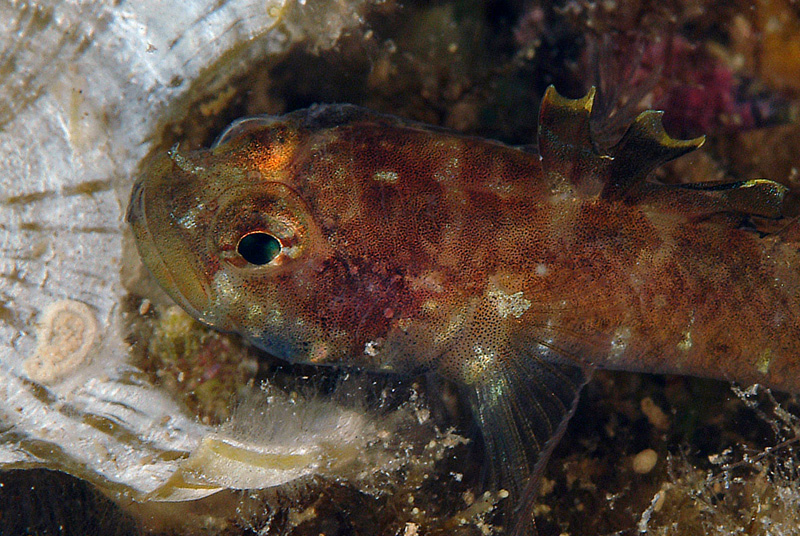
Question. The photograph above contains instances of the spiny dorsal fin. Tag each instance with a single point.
(567, 151)
(644, 147)
(565, 143)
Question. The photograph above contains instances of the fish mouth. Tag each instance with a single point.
(167, 256)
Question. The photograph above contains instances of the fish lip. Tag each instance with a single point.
(136, 202)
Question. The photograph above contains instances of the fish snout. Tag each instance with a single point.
(170, 246)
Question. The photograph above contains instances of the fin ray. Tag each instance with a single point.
(522, 401)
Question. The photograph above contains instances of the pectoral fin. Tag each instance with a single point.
(522, 398)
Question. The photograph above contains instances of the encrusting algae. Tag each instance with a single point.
(338, 236)
(206, 369)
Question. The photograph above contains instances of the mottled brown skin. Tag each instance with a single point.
(406, 248)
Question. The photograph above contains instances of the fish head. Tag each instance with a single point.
(228, 239)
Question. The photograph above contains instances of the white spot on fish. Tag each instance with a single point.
(293, 252)
(254, 313)
(764, 362)
(509, 304)
(450, 170)
(619, 342)
(372, 348)
(225, 287)
(480, 361)
(273, 318)
(386, 176)
(541, 270)
(189, 220)
(686, 343)
(482, 353)
(227, 294)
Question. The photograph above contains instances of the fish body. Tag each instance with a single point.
(339, 236)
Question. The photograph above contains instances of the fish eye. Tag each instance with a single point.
(258, 248)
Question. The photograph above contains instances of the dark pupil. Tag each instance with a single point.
(258, 248)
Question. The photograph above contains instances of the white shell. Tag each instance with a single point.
(80, 100)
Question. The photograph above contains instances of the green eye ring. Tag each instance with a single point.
(259, 248)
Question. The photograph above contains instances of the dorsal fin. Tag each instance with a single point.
(644, 147)
(568, 154)
(565, 142)
(756, 197)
